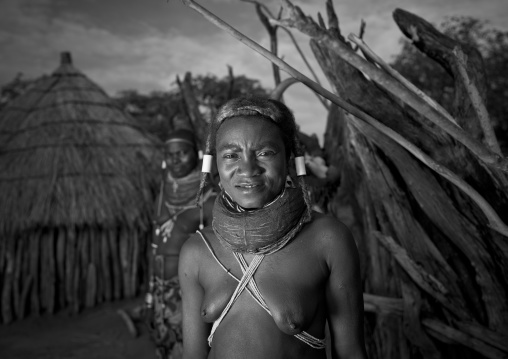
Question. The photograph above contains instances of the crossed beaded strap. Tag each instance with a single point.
(247, 282)
(247, 276)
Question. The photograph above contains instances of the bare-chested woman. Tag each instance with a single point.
(269, 275)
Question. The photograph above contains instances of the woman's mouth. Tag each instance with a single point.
(248, 185)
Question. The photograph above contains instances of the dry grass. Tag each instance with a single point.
(69, 156)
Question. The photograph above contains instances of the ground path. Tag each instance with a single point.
(97, 333)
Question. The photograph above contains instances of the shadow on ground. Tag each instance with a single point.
(98, 333)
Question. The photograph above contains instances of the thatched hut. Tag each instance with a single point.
(77, 187)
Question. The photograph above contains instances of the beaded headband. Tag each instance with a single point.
(173, 140)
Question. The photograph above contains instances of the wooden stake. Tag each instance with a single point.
(124, 257)
(115, 264)
(135, 260)
(107, 265)
(7, 310)
(35, 269)
(52, 284)
(60, 265)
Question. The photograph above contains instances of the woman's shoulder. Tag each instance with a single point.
(194, 250)
(332, 235)
(328, 225)
(196, 243)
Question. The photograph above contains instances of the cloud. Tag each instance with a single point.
(32, 33)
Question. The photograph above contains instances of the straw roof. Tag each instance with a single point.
(70, 156)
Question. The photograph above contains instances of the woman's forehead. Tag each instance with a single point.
(177, 146)
(248, 129)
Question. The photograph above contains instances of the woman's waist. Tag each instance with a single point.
(165, 265)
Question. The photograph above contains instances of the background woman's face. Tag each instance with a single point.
(251, 160)
(181, 158)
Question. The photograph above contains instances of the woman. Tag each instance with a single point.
(177, 216)
(265, 279)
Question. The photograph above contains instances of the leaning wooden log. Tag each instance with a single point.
(373, 57)
(482, 340)
(443, 214)
(492, 338)
(428, 39)
(477, 101)
(446, 333)
(413, 302)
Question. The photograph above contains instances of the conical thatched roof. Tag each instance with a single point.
(70, 157)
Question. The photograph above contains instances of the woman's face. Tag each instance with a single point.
(181, 158)
(251, 160)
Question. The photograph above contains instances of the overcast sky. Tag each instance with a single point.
(145, 44)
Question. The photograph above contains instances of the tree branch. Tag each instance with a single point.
(476, 100)
(373, 57)
(424, 280)
(471, 335)
(360, 34)
(298, 49)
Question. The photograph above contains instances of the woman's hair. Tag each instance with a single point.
(255, 107)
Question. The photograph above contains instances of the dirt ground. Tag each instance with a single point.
(97, 333)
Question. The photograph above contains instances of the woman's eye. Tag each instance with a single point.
(229, 155)
(266, 153)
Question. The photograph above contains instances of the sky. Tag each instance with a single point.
(144, 45)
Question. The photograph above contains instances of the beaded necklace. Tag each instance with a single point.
(260, 231)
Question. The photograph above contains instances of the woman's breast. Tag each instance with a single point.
(295, 299)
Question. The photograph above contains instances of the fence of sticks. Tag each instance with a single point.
(428, 189)
(77, 190)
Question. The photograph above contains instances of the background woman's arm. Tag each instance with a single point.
(195, 331)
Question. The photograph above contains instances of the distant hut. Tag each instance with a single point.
(77, 185)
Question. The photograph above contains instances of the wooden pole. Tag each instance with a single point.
(107, 264)
(7, 309)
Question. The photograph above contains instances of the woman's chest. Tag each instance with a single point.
(291, 287)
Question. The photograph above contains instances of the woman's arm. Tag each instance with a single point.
(344, 293)
(195, 331)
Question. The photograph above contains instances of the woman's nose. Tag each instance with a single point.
(175, 159)
(249, 167)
